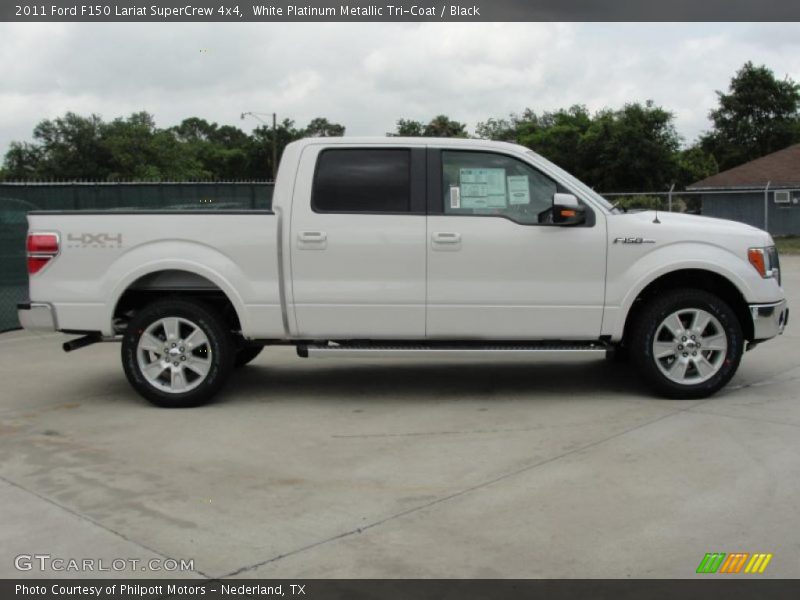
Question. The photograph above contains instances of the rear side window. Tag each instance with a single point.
(363, 181)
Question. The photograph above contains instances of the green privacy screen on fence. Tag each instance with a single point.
(17, 199)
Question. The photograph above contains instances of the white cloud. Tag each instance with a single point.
(366, 76)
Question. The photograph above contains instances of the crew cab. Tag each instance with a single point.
(407, 247)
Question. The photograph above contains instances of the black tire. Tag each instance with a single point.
(246, 354)
(650, 323)
(218, 342)
(620, 354)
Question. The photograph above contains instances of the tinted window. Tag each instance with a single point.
(365, 180)
(481, 183)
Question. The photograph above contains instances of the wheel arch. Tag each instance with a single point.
(141, 289)
(694, 278)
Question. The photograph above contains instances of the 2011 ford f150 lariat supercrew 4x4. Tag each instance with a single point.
(407, 247)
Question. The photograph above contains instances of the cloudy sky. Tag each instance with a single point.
(366, 76)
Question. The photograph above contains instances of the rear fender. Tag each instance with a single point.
(146, 259)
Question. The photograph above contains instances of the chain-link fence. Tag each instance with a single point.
(672, 202)
(17, 199)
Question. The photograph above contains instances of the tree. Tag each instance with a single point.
(634, 148)
(439, 126)
(134, 148)
(695, 164)
(502, 130)
(259, 149)
(443, 126)
(556, 135)
(22, 161)
(321, 127)
(259, 158)
(757, 116)
(73, 147)
(68, 147)
(408, 128)
(221, 151)
(194, 130)
(138, 150)
(631, 149)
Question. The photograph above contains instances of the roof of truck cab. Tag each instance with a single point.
(413, 141)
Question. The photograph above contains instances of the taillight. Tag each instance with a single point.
(42, 248)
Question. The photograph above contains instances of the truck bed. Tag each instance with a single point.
(104, 253)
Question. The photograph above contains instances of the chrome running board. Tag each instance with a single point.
(549, 351)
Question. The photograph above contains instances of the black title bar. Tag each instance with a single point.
(705, 588)
(398, 11)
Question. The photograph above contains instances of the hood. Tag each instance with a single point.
(680, 227)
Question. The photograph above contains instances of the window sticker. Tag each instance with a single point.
(519, 191)
(455, 197)
(482, 188)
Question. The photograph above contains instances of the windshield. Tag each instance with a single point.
(576, 183)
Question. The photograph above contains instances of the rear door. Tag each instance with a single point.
(358, 239)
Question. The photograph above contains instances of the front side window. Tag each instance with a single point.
(482, 183)
(362, 181)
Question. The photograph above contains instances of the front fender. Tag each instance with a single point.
(629, 275)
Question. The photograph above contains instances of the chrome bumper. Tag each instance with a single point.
(769, 320)
(36, 316)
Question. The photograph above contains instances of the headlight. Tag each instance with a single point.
(765, 261)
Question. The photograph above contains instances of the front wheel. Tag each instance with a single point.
(687, 343)
(177, 353)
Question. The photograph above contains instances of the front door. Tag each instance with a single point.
(497, 267)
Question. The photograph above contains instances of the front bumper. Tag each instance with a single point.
(769, 320)
(37, 316)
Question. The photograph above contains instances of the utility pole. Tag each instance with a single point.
(274, 147)
(257, 117)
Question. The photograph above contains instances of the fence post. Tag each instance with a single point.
(669, 198)
(766, 206)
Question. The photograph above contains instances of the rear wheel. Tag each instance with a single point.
(687, 343)
(177, 353)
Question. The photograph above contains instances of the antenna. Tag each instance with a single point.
(655, 217)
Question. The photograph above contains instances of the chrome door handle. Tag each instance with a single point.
(446, 241)
(312, 236)
(312, 240)
(446, 237)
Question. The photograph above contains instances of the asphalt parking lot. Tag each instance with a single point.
(399, 469)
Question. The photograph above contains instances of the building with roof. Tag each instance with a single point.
(764, 192)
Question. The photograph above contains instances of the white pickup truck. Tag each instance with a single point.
(407, 247)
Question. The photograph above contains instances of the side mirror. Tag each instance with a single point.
(567, 210)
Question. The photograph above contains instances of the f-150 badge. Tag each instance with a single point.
(633, 240)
